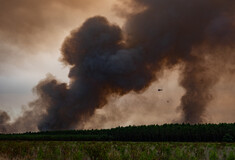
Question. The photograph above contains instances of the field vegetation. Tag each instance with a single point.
(64, 150)
(154, 142)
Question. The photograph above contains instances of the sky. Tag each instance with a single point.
(31, 35)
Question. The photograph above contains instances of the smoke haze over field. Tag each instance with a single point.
(197, 36)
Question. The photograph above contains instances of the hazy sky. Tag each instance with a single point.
(31, 34)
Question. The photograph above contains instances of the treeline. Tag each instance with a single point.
(167, 132)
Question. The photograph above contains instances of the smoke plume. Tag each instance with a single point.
(106, 59)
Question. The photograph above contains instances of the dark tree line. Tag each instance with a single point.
(167, 132)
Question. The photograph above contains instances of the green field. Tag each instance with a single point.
(56, 150)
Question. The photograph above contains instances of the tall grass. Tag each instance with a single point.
(48, 150)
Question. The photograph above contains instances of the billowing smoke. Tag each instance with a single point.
(106, 59)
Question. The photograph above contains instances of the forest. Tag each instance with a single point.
(222, 132)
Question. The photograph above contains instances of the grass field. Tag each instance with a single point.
(61, 150)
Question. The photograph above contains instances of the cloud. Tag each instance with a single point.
(106, 60)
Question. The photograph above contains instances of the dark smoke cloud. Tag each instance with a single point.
(27, 122)
(4, 118)
(197, 80)
(106, 60)
(101, 66)
(170, 31)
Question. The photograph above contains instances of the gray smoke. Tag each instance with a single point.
(106, 59)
